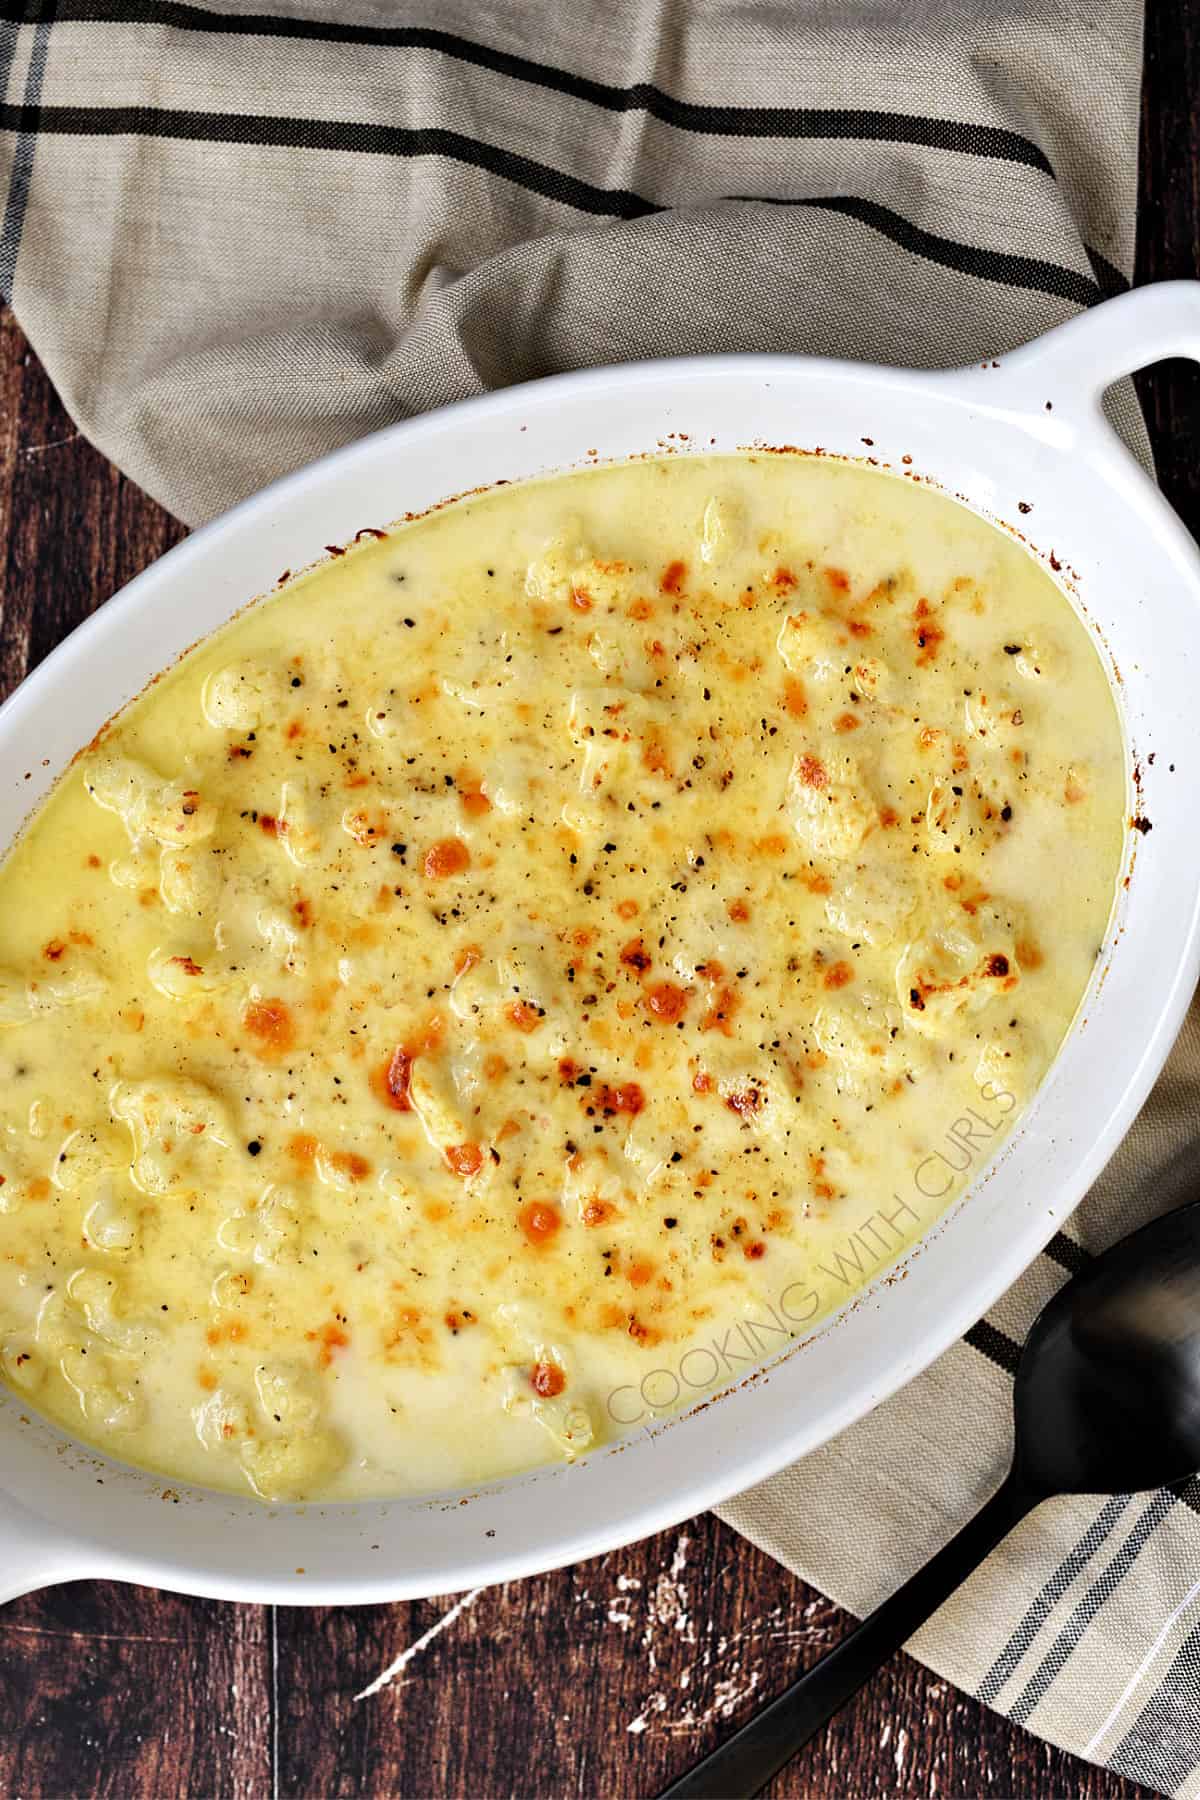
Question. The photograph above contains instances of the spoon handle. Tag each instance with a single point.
(739, 1768)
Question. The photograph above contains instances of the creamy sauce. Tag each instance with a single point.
(539, 963)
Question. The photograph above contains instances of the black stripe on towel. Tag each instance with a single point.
(864, 124)
(554, 184)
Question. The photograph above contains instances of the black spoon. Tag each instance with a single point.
(1106, 1401)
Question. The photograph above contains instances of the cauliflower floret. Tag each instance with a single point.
(528, 976)
(266, 1232)
(1039, 659)
(173, 1122)
(179, 976)
(241, 696)
(722, 528)
(595, 583)
(832, 1171)
(566, 1420)
(812, 647)
(593, 1177)
(1078, 782)
(648, 1146)
(607, 725)
(229, 1288)
(187, 881)
(513, 777)
(436, 1102)
(871, 678)
(297, 1453)
(367, 825)
(399, 1190)
(106, 1402)
(169, 812)
(620, 657)
(279, 931)
(700, 932)
(56, 1324)
(994, 716)
(93, 1164)
(964, 809)
(567, 572)
(517, 971)
(97, 1297)
(22, 1363)
(221, 1419)
(830, 804)
(255, 934)
(533, 1356)
(1001, 1072)
(291, 1468)
(517, 987)
(141, 868)
(289, 1395)
(72, 986)
(112, 1223)
(386, 716)
(873, 903)
(755, 1088)
(494, 671)
(296, 828)
(25, 998)
(958, 968)
(87, 1155)
(860, 1035)
(22, 1170)
(548, 575)
(15, 1008)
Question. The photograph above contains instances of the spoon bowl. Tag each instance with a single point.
(1107, 1395)
(1106, 1401)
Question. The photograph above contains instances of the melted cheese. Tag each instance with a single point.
(534, 966)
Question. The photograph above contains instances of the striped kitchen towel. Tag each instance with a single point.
(238, 237)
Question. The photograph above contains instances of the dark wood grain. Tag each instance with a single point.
(604, 1679)
(118, 1692)
(610, 1677)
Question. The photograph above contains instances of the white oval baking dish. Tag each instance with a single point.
(1025, 433)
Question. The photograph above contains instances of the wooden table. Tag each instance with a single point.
(607, 1678)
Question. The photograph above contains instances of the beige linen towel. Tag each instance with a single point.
(238, 238)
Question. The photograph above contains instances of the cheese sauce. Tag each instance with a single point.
(517, 978)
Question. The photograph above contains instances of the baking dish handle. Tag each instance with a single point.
(1070, 368)
(32, 1554)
